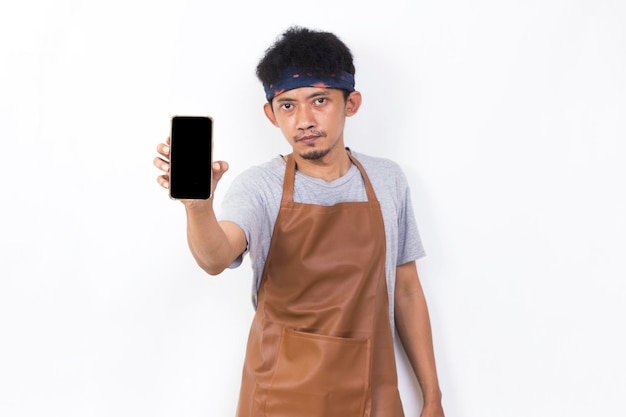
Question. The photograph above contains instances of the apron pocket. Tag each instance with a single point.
(319, 376)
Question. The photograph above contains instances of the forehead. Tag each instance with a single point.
(307, 93)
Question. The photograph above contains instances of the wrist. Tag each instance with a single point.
(432, 396)
(198, 206)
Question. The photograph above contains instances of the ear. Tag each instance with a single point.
(269, 113)
(353, 103)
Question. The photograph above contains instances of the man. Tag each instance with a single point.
(333, 244)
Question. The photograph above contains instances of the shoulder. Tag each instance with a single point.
(375, 161)
(254, 192)
(269, 172)
(382, 171)
(274, 166)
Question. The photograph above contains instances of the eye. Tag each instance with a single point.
(287, 106)
(320, 100)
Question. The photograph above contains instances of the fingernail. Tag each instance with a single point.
(216, 165)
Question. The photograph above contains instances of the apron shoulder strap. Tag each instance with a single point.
(371, 195)
(289, 179)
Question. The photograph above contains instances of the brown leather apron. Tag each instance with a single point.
(320, 344)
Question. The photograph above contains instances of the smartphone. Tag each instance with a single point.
(191, 149)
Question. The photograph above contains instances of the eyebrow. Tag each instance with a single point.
(321, 92)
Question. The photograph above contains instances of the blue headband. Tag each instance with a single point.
(293, 79)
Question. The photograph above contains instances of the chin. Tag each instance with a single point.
(315, 154)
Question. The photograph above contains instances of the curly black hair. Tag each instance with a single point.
(312, 51)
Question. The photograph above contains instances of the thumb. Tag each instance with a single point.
(219, 168)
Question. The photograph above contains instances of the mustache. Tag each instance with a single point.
(312, 132)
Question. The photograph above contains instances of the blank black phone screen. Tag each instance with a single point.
(190, 157)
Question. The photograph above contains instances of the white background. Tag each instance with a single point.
(507, 117)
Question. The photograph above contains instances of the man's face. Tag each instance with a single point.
(312, 119)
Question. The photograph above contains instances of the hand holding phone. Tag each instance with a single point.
(191, 148)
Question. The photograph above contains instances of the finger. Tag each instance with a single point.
(164, 150)
(161, 164)
(164, 181)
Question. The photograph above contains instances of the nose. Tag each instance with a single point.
(305, 119)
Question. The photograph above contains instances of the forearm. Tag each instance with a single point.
(414, 330)
(207, 240)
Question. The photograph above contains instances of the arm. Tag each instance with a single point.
(413, 324)
(214, 245)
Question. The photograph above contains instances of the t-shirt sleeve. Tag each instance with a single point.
(242, 205)
(410, 245)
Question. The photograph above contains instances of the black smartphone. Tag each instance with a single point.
(191, 148)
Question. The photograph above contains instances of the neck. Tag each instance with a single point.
(330, 167)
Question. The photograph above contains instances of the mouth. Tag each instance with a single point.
(310, 136)
(307, 139)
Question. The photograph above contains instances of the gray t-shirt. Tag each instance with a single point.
(253, 202)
